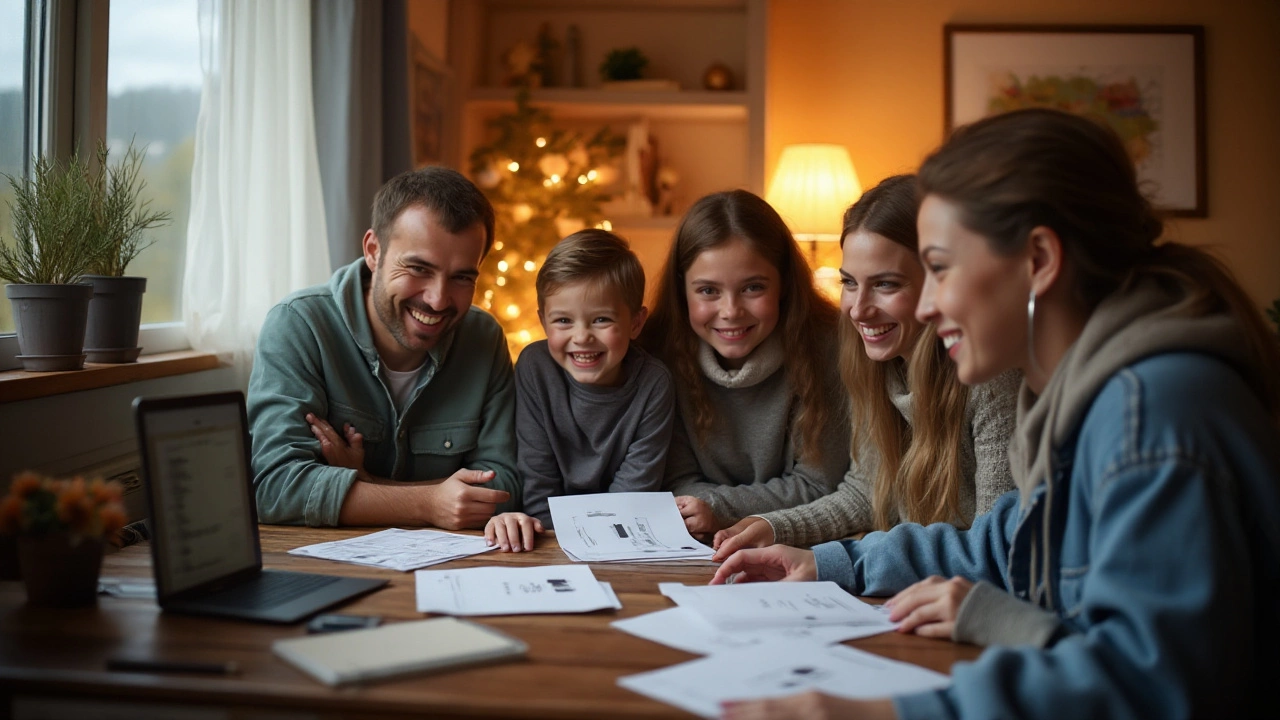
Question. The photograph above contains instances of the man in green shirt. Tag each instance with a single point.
(383, 397)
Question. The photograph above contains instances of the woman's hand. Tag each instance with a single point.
(811, 705)
(345, 450)
(749, 532)
(776, 562)
(513, 531)
(929, 607)
(697, 514)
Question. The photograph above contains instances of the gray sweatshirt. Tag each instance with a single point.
(575, 439)
(748, 462)
(989, 421)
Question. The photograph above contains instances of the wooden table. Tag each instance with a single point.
(573, 664)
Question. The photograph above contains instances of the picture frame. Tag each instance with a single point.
(1145, 81)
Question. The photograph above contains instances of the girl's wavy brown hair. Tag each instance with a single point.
(806, 318)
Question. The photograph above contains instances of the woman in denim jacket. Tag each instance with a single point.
(1136, 571)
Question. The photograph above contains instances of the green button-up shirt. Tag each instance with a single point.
(316, 354)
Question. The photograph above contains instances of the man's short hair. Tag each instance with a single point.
(597, 256)
(454, 200)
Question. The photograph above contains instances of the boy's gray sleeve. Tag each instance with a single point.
(291, 485)
(535, 459)
(643, 466)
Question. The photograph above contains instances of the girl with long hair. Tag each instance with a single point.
(1136, 571)
(924, 448)
(762, 421)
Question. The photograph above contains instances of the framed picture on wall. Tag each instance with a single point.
(1145, 81)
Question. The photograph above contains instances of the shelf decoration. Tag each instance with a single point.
(544, 183)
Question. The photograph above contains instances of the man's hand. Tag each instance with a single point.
(512, 531)
(455, 503)
(345, 450)
(811, 705)
(929, 607)
(698, 517)
(749, 532)
(776, 562)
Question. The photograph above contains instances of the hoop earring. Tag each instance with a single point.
(1031, 332)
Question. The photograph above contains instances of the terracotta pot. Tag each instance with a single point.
(59, 569)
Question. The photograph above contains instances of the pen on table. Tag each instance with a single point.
(167, 666)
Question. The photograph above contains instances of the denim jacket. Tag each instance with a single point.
(316, 354)
(1165, 575)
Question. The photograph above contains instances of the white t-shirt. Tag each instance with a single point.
(401, 384)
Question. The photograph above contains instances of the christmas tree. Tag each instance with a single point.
(544, 183)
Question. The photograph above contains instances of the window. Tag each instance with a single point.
(13, 118)
(153, 98)
(139, 80)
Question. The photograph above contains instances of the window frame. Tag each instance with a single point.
(65, 98)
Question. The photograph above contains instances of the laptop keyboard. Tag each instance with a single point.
(269, 590)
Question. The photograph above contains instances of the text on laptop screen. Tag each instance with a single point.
(197, 460)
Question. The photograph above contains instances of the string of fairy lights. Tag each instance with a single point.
(544, 183)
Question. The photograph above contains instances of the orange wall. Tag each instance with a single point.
(868, 74)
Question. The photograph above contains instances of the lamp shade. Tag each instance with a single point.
(811, 187)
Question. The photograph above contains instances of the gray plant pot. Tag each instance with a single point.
(50, 322)
(114, 316)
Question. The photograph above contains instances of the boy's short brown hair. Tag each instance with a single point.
(597, 256)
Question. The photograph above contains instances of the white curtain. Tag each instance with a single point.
(257, 227)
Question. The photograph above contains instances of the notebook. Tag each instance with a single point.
(397, 649)
(204, 534)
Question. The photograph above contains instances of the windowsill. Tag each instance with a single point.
(18, 385)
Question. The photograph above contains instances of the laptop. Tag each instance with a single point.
(204, 532)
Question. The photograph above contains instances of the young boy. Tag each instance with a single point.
(593, 412)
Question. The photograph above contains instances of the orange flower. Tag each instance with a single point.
(105, 492)
(113, 518)
(24, 484)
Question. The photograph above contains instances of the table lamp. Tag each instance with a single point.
(810, 189)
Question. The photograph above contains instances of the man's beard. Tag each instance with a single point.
(393, 319)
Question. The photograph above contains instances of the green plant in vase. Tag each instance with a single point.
(122, 217)
(54, 243)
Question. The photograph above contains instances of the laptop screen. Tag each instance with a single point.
(202, 516)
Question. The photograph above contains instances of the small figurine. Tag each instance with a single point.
(573, 57)
(548, 64)
(520, 60)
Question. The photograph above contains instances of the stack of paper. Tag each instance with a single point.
(683, 629)
(397, 549)
(513, 590)
(781, 669)
(623, 527)
(752, 606)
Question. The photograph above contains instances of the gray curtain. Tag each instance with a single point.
(359, 63)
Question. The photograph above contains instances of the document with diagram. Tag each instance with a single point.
(615, 527)
(513, 590)
(683, 629)
(773, 605)
(778, 670)
(397, 549)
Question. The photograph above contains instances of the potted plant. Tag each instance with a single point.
(119, 218)
(54, 244)
(60, 527)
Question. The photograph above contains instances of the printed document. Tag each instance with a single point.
(683, 629)
(397, 549)
(777, 670)
(513, 590)
(608, 527)
(773, 604)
